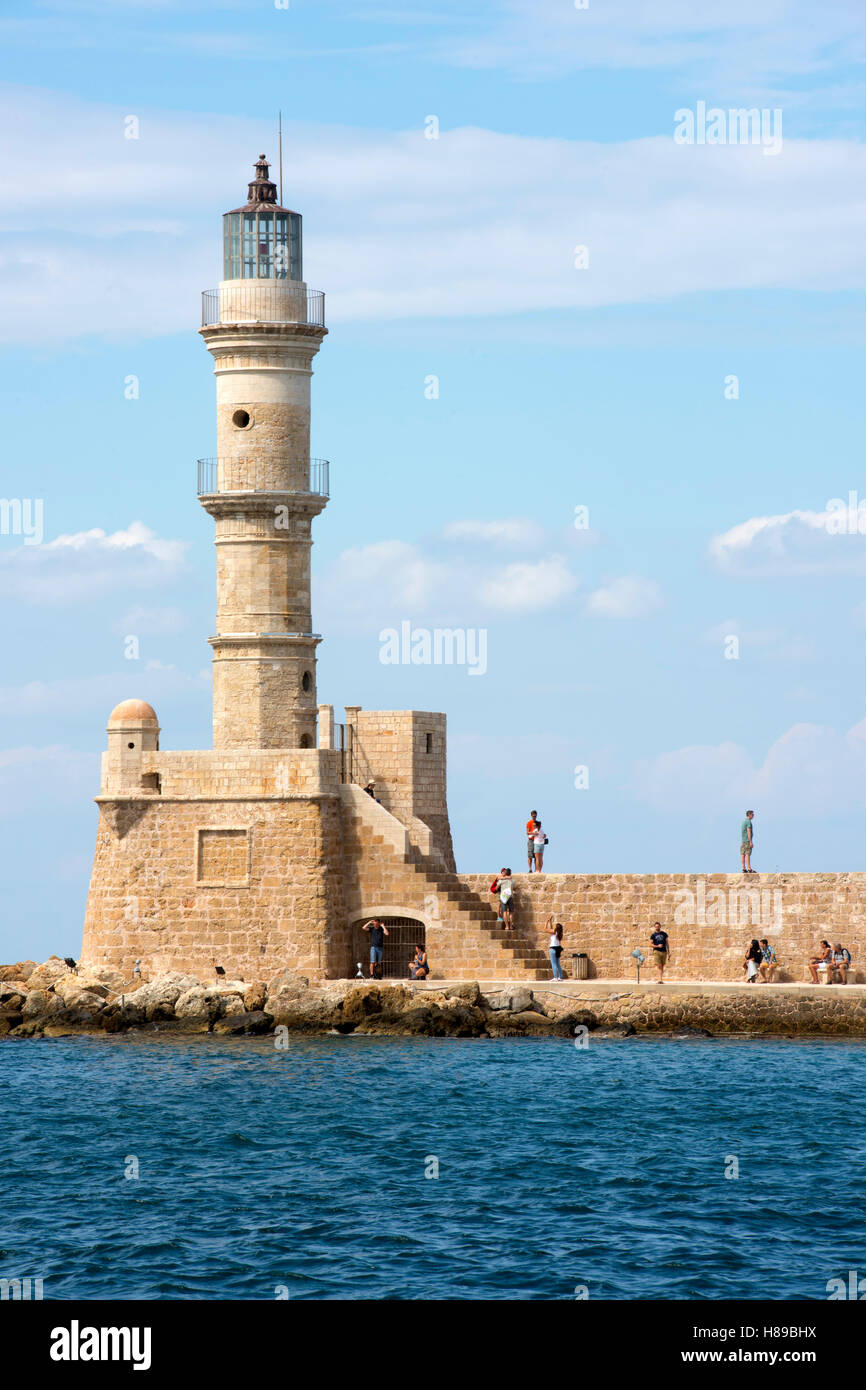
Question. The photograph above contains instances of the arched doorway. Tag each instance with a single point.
(404, 934)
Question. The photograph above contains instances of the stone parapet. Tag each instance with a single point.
(209, 774)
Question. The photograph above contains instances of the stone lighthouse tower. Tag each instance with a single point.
(263, 328)
(264, 852)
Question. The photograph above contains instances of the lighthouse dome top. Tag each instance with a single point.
(133, 712)
(262, 191)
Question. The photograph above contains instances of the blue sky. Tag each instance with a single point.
(559, 387)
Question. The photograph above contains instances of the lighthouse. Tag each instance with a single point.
(263, 327)
(264, 852)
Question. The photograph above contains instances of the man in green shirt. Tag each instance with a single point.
(747, 843)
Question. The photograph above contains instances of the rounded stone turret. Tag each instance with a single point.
(133, 712)
(133, 731)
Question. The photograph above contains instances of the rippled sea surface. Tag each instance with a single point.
(304, 1170)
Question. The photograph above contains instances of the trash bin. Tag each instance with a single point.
(579, 965)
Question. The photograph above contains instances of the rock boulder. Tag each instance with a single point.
(255, 1021)
(70, 987)
(40, 1003)
(159, 996)
(44, 976)
(22, 970)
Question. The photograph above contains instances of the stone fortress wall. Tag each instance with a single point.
(710, 919)
(261, 860)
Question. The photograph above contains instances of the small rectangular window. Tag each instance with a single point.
(249, 246)
(281, 255)
(266, 245)
(429, 743)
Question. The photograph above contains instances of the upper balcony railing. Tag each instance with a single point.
(224, 475)
(285, 302)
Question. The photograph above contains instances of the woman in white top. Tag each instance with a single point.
(539, 840)
(555, 947)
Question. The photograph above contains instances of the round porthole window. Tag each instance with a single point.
(130, 745)
(241, 419)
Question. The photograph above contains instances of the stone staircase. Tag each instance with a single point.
(467, 906)
(418, 876)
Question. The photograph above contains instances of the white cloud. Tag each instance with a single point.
(809, 771)
(379, 576)
(474, 223)
(392, 580)
(529, 588)
(515, 531)
(629, 596)
(695, 778)
(790, 543)
(81, 565)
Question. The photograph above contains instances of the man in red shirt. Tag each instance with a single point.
(530, 842)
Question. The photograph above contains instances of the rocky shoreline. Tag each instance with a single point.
(51, 1000)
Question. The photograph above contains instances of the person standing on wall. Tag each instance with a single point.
(747, 842)
(378, 931)
(530, 839)
(659, 943)
(539, 840)
(555, 947)
(503, 885)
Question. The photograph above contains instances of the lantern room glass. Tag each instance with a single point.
(262, 245)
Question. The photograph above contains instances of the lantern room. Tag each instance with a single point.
(262, 241)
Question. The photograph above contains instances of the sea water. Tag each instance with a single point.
(374, 1167)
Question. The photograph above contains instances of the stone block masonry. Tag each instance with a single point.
(710, 918)
(404, 752)
(252, 885)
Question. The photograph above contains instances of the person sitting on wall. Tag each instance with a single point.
(841, 962)
(370, 789)
(418, 967)
(378, 931)
(769, 962)
(752, 961)
(822, 962)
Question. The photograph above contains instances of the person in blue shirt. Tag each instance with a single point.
(747, 842)
(768, 961)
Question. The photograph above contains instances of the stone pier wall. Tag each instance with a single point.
(710, 918)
